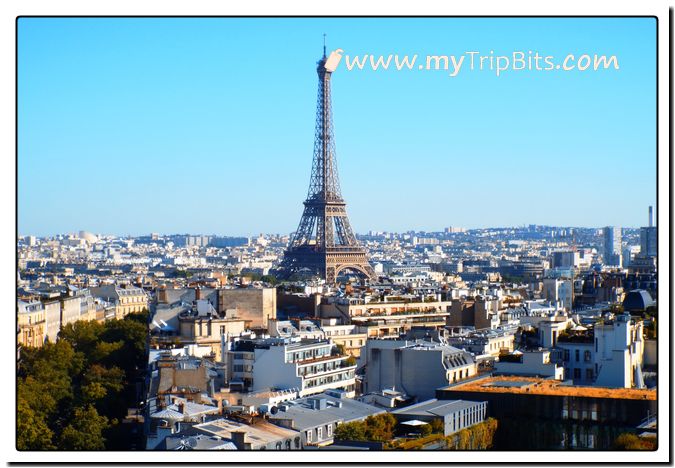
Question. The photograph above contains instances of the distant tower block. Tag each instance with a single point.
(324, 243)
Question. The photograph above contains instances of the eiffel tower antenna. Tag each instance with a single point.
(324, 243)
(324, 44)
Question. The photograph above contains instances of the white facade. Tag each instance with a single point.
(417, 368)
(619, 352)
(612, 357)
(532, 363)
(308, 367)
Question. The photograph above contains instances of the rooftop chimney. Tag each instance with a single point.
(651, 218)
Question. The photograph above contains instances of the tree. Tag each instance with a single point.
(83, 336)
(426, 430)
(380, 428)
(437, 426)
(271, 279)
(85, 430)
(627, 441)
(32, 432)
(351, 431)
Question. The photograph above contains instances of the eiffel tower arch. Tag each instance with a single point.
(324, 243)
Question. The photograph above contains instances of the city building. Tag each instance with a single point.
(454, 414)
(126, 299)
(253, 305)
(532, 363)
(612, 249)
(417, 368)
(308, 366)
(317, 417)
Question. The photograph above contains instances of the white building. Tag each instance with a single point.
(611, 356)
(307, 366)
(417, 367)
(529, 363)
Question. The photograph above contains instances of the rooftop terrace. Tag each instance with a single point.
(538, 386)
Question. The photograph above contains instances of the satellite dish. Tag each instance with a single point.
(191, 442)
(274, 410)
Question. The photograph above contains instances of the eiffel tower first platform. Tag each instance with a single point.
(324, 243)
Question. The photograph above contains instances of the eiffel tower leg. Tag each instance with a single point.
(330, 275)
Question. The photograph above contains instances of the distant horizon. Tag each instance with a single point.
(360, 233)
(207, 124)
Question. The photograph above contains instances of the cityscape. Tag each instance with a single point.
(526, 337)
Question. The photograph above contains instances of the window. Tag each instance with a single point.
(309, 436)
(577, 373)
(566, 355)
(576, 355)
(319, 433)
(589, 374)
(329, 430)
(587, 356)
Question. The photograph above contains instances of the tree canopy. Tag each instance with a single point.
(72, 394)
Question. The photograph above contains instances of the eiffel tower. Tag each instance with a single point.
(324, 243)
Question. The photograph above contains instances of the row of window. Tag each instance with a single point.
(468, 417)
(329, 379)
(309, 354)
(319, 433)
(587, 355)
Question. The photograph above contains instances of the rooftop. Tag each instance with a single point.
(436, 407)
(538, 386)
(304, 416)
(258, 433)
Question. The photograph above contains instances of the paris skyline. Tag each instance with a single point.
(145, 125)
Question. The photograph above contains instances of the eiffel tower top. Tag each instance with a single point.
(324, 184)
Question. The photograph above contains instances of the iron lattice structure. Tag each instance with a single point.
(324, 243)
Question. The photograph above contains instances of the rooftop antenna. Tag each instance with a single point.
(324, 44)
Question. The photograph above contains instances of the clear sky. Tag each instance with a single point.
(131, 126)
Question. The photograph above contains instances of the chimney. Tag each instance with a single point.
(198, 293)
(239, 440)
(651, 218)
(181, 407)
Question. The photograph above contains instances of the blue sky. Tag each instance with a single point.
(131, 126)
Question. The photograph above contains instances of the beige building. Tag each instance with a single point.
(32, 324)
(253, 305)
(126, 299)
(386, 319)
(347, 336)
(207, 331)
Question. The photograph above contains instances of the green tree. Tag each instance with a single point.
(351, 431)
(85, 430)
(83, 336)
(271, 279)
(32, 432)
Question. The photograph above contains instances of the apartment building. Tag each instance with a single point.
(417, 367)
(310, 366)
(126, 300)
(31, 323)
